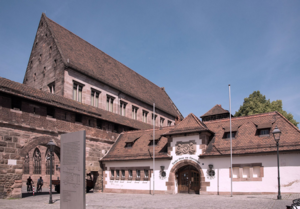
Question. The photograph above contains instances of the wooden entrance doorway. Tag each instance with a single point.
(188, 180)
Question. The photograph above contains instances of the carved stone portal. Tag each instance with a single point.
(185, 148)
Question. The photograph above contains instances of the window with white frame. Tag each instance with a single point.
(123, 108)
(123, 174)
(247, 172)
(112, 174)
(154, 119)
(146, 174)
(77, 91)
(95, 98)
(169, 123)
(129, 174)
(161, 122)
(138, 174)
(134, 112)
(52, 88)
(117, 174)
(264, 132)
(145, 114)
(109, 103)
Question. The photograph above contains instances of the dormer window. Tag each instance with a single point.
(264, 132)
(129, 144)
(151, 142)
(227, 135)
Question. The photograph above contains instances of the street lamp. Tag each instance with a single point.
(51, 146)
(276, 134)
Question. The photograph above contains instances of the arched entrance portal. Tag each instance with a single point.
(188, 178)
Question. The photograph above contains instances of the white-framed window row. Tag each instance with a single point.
(134, 112)
(247, 172)
(140, 174)
(110, 103)
(123, 108)
(77, 91)
(95, 97)
(145, 115)
(51, 87)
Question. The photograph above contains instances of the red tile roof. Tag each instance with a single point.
(246, 140)
(140, 149)
(189, 124)
(216, 110)
(31, 93)
(87, 59)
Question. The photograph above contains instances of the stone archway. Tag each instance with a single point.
(171, 180)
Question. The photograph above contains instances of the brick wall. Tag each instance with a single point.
(21, 131)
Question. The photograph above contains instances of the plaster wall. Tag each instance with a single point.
(72, 75)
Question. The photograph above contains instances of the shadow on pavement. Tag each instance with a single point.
(24, 195)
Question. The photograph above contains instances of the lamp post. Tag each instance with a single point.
(276, 133)
(51, 146)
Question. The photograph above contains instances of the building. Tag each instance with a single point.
(70, 85)
(194, 157)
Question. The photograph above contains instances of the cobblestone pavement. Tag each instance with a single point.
(105, 200)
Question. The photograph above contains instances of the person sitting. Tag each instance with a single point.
(29, 184)
(40, 184)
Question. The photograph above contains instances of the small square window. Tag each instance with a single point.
(264, 132)
(151, 142)
(78, 118)
(50, 111)
(227, 135)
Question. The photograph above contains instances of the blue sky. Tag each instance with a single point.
(192, 48)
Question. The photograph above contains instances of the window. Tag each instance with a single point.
(37, 161)
(109, 103)
(134, 112)
(130, 174)
(264, 132)
(50, 111)
(122, 108)
(247, 172)
(95, 98)
(77, 92)
(227, 135)
(16, 103)
(145, 114)
(138, 174)
(48, 167)
(151, 142)
(112, 174)
(129, 144)
(117, 174)
(146, 174)
(78, 118)
(99, 124)
(169, 123)
(154, 119)
(162, 120)
(123, 174)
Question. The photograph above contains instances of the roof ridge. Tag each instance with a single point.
(240, 117)
(287, 120)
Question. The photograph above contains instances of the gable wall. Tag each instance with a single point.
(42, 70)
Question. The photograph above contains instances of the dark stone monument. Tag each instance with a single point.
(72, 171)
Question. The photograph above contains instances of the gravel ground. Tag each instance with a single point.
(106, 200)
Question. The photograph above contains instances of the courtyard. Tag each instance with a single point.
(108, 200)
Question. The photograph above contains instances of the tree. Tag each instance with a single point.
(257, 103)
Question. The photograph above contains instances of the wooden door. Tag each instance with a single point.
(189, 181)
(195, 182)
(183, 181)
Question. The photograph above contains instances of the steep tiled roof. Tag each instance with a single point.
(87, 59)
(216, 110)
(189, 124)
(31, 93)
(140, 149)
(246, 140)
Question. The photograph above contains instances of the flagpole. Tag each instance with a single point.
(230, 139)
(153, 118)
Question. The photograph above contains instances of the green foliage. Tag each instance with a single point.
(257, 103)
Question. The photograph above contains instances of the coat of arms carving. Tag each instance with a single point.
(185, 148)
